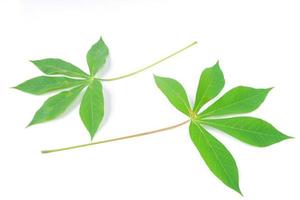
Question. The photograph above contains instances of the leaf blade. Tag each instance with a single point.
(175, 93)
(43, 84)
(218, 159)
(210, 84)
(250, 130)
(55, 66)
(238, 100)
(92, 107)
(55, 106)
(96, 56)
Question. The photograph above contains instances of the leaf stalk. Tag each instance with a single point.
(150, 65)
(116, 139)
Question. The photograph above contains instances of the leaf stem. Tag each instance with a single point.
(150, 65)
(116, 139)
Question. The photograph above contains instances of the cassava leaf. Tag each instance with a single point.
(44, 84)
(96, 56)
(250, 130)
(218, 159)
(54, 66)
(237, 101)
(175, 93)
(55, 105)
(210, 85)
(92, 107)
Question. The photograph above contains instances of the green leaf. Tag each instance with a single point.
(236, 101)
(44, 84)
(175, 93)
(92, 107)
(55, 105)
(250, 130)
(218, 159)
(210, 85)
(96, 56)
(53, 66)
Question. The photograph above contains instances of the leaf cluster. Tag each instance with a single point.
(239, 100)
(62, 75)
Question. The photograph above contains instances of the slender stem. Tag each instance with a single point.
(149, 66)
(116, 139)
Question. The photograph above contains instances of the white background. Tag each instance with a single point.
(257, 43)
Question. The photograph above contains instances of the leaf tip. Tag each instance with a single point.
(289, 137)
(92, 131)
(156, 77)
(270, 88)
(238, 190)
(216, 66)
(30, 124)
(21, 88)
(33, 61)
(101, 40)
(92, 134)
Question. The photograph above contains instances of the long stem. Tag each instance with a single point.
(116, 139)
(149, 66)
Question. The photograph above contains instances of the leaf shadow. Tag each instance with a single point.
(107, 107)
(105, 69)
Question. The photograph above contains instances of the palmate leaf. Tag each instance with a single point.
(92, 104)
(55, 66)
(250, 130)
(175, 93)
(218, 159)
(55, 106)
(210, 85)
(44, 84)
(96, 56)
(92, 107)
(237, 101)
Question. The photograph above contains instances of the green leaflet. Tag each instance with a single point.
(250, 130)
(54, 66)
(44, 84)
(55, 105)
(216, 156)
(92, 107)
(96, 56)
(175, 93)
(236, 101)
(210, 85)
